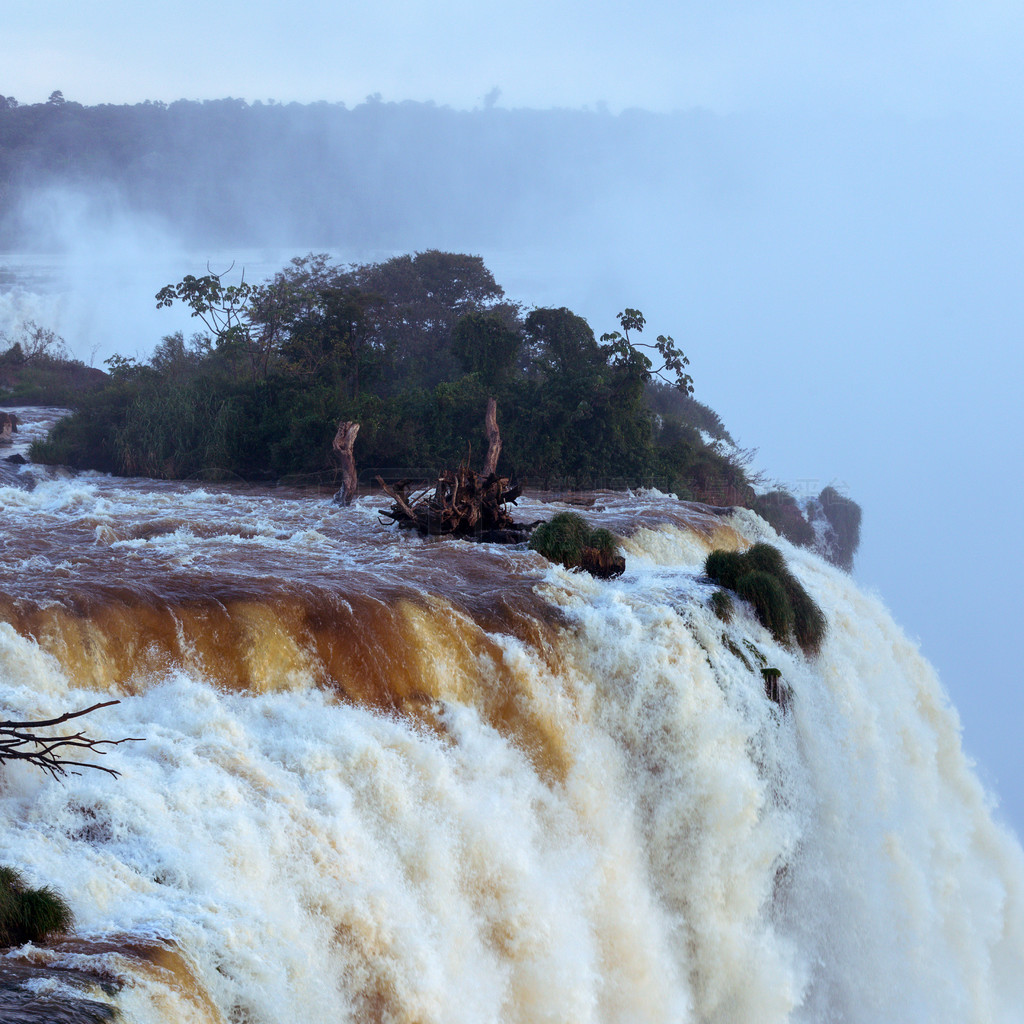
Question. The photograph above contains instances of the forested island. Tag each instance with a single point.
(411, 348)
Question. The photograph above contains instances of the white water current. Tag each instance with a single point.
(675, 848)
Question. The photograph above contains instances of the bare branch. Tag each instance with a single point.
(20, 741)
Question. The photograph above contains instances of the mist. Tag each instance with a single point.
(846, 287)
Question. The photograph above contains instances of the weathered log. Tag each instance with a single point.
(344, 439)
(493, 439)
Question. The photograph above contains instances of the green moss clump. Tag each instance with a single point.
(30, 915)
(721, 604)
(768, 596)
(780, 601)
(725, 568)
(562, 539)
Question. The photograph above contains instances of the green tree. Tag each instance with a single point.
(626, 351)
(485, 344)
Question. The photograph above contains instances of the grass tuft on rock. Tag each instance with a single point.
(725, 568)
(765, 558)
(780, 601)
(30, 915)
(562, 539)
(721, 605)
(568, 539)
(604, 541)
(768, 596)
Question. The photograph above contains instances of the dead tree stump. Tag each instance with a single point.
(493, 438)
(344, 439)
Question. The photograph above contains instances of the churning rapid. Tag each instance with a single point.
(390, 780)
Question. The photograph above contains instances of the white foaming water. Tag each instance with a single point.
(697, 854)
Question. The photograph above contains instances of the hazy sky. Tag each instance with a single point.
(905, 55)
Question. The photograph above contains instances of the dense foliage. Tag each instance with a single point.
(410, 348)
(843, 534)
(35, 369)
(253, 396)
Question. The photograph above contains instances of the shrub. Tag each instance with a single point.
(562, 539)
(765, 558)
(604, 541)
(725, 568)
(721, 605)
(843, 515)
(30, 915)
(568, 540)
(782, 605)
(768, 596)
(809, 623)
(780, 510)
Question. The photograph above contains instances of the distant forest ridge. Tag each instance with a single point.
(230, 172)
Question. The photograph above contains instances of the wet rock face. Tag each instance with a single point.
(23, 999)
(8, 426)
(603, 564)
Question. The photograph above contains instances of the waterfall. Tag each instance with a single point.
(387, 780)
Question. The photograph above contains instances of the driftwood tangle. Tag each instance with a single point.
(462, 503)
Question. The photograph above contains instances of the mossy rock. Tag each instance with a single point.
(780, 601)
(568, 539)
(30, 915)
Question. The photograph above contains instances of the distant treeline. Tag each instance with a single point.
(379, 174)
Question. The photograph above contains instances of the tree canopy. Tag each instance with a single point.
(410, 348)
